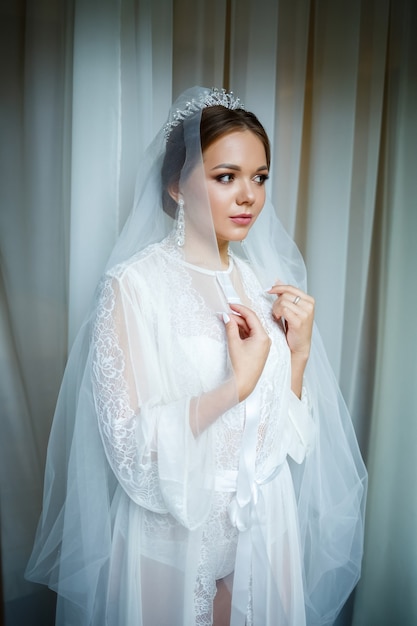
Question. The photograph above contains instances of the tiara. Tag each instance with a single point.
(215, 97)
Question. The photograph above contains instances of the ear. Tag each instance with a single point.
(174, 192)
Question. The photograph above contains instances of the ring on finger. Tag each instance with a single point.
(296, 300)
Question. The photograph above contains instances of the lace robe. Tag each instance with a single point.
(191, 510)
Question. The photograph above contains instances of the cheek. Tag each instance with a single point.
(260, 201)
(219, 201)
(262, 196)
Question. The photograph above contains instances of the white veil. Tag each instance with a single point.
(75, 544)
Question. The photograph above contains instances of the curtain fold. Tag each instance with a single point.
(85, 84)
(363, 206)
(33, 226)
(121, 81)
(386, 594)
(199, 37)
(68, 164)
(330, 158)
(95, 149)
(253, 57)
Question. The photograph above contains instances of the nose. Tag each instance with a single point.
(245, 193)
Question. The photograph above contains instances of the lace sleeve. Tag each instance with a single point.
(148, 443)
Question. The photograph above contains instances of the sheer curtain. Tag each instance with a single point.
(85, 83)
(33, 248)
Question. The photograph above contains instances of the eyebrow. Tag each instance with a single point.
(237, 168)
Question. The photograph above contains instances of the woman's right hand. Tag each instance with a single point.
(248, 345)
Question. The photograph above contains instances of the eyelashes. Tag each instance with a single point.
(262, 178)
(227, 178)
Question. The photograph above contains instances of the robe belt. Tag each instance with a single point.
(251, 565)
(238, 512)
(247, 514)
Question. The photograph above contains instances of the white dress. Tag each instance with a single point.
(189, 510)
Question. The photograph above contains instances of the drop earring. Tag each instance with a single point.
(180, 233)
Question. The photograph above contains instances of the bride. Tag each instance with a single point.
(202, 466)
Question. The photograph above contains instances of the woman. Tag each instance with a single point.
(211, 475)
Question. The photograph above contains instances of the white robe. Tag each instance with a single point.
(189, 510)
(141, 517)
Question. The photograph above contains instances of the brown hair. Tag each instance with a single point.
(215, 122)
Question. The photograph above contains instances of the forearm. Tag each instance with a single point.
(207, 408)
(298, 366)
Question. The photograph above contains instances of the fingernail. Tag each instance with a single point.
(226, 318)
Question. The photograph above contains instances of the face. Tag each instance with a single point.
(235, 170)
(233, 177)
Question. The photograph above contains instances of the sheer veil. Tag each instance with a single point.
(75, 545)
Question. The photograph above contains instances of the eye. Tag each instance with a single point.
(261, 178)
(225, 178)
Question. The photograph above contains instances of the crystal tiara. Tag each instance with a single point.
(215, 97)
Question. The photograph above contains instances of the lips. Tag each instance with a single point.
(242, 220)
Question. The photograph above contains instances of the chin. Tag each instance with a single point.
(235, 236)
(239, 236)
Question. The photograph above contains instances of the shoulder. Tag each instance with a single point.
(130, 285)
(144, 276)
(143, 264)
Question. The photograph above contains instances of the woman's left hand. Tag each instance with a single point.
(297, 309)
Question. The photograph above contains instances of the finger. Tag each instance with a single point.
(236, 320)
(295, 318)
(292, 312)
(291, 293)
(296, 306)
(250, 318)
(286, 313)
(242, 324)
(232, 328)
(284, 306)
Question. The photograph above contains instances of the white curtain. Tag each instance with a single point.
(85, 84)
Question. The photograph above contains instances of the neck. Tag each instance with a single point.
(224, 253)
(205, 251)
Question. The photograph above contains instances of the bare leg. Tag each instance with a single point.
(222, 604)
